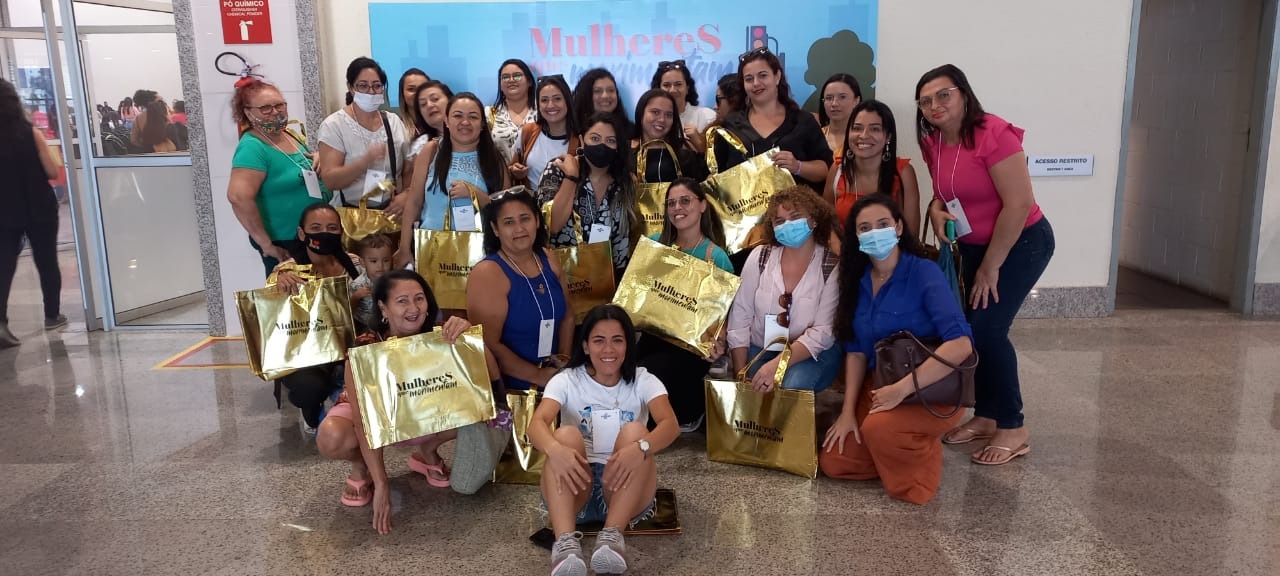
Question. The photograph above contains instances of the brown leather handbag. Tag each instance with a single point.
(899, 354)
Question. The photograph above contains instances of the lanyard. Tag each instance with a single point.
(543, 277)
(287, 155)
(954, 166)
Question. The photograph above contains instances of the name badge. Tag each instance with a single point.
(371, 180)
(773, 330)
(464, 218)
(546, 334)
(962, 222)
(599, 233)
(312, 180)
(605, 426)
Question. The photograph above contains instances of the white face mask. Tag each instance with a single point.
(368, 102)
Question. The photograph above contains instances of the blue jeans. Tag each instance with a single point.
(813, 374)
(998, 392)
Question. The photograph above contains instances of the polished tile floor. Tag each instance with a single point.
(1156, 451)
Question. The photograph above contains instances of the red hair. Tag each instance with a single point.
(246, 88)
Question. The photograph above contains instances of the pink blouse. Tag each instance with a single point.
(959, 172)
(813, 302)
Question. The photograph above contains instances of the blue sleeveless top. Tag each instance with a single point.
(464, 166)
(524, 319)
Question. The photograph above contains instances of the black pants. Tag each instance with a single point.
(309, 387)
(681, 371)
(43, 237)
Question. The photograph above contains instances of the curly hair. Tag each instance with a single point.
(804, 199)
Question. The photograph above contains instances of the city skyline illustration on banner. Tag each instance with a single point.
(463, 43)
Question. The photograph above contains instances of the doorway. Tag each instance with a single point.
(1191, 153)
(116, 87)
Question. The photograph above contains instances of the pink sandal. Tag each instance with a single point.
(359, 486)
(425, 470)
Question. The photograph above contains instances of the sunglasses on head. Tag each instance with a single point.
(671, 65)
(512, 191)
(753, 52)
(544, 80)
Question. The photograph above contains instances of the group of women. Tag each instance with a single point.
(839, 264)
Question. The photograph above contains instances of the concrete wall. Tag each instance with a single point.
(1193, 91)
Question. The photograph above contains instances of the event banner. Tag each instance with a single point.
(463, 43)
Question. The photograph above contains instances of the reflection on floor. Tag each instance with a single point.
(193, 313)
(1138, 291)
(1155, 453)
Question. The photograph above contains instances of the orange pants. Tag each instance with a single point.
(901, 447)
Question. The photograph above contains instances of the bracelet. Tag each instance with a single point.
(573, 179)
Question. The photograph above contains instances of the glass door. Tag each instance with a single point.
(139, 168)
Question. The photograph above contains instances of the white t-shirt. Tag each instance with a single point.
(579, 394)
(342, 133)
(545, 149)
(697, 116)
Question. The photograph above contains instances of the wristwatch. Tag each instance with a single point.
(644, 447)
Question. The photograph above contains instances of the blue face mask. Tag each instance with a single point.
(792, 233)
(878, 243)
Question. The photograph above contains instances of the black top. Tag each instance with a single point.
(799, 134)
(660, 167)
(26, 194)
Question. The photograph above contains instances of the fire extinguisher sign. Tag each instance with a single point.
(245, 21)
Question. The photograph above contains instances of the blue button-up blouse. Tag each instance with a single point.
(915, 298)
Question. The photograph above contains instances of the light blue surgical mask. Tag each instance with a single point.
(878, 243)
(793, 233)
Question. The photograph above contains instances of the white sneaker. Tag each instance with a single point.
(566, 556)
(609, 555)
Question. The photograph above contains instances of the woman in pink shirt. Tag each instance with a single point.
(980, 180)
(789, 289)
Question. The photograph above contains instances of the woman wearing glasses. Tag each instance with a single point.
(361, 145)
(597, 93)
(772, 119)
(516, 106)
(658, 124)
(869, 163)
(728, 97)
(554, 134)
(981, 181)
(675, 79)
(273, 179)
(840, 93)
(518, 293)
(693, 227)
(790, 288)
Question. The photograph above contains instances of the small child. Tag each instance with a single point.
(375, 252)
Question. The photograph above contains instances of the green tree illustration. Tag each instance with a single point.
(842, 52)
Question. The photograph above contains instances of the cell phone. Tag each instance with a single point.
(543, 538)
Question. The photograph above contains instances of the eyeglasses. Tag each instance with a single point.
(683, 202)
(755, 52)
(784, 319)
(942, 97)
(671, 65)
(836, 98)
(368, 88)
(518, 76)
(272, 108)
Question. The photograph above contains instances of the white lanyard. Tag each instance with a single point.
(532, 292)
(954, 166)
(286, 154)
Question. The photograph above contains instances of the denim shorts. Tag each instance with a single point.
(597, 509)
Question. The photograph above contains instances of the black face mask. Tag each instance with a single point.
(600, 155)
(324, 243)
